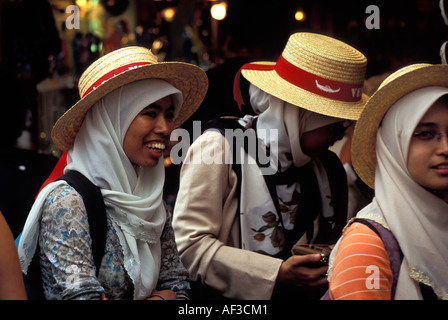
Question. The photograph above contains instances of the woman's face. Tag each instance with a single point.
(428, 149)
(317, 141)
(148, 135)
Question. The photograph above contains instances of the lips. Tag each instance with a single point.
(443, 165)
(156, 146)
(441, 168)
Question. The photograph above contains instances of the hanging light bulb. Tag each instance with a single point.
(81, 3)
(219, 11)
(300, 15)
(168, 14)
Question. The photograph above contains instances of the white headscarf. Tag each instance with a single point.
(133, 196)
(417, 218)
(258, 211)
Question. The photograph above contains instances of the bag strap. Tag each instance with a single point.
(96, 211)
(221, 124)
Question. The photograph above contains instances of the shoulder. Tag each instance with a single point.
(63, 192)
(360, 235)
(361, 267)
(361, 247)
(210, 137)
(63, 199)
(210, 148)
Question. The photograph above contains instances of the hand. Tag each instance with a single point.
(303, 270)
(162, 295)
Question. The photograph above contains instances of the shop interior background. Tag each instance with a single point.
(44, 51)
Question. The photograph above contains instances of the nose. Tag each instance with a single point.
(442, 146)
(164, 126)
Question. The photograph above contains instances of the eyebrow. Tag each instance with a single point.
(427, 124)
(158, 107)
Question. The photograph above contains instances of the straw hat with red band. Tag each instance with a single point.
(314, 72)
(394, 87)
(123, 66)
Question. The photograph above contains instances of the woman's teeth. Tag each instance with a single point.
(156, 146)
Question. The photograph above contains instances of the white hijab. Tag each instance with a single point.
(133, 196)
(258, 211)
(417, 218)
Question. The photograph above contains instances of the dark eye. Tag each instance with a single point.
(150, 114)
(169, 116)
(424, 135)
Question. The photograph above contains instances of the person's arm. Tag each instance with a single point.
(173, 283)
(67, 265)
(11, 279)
(361, 267)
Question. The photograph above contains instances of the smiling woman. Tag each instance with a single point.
(115, 136)
(149, 133)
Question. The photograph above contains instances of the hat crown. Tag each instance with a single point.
(401, 72)
(326, 57)
(113, 64)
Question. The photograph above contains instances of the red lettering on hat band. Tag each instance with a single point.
(303, 79)
(112, 74)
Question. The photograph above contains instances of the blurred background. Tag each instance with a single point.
(43, 50)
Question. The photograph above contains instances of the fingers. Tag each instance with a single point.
(162, 295)
(306, 259)
(303, 270)
(313, 276)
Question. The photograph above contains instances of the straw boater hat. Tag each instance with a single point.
(123, 66)
(394, 87)
(314, 72)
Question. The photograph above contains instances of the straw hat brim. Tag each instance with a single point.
(270, 82)
(187, 78)
(397, 85)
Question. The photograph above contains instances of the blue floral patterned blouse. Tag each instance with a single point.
(68, 270)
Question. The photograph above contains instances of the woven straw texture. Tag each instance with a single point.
(189, 79)
(394, 87)
(322, 56)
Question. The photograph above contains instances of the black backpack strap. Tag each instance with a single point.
(337, 178)
(96, 211)
(223, 123)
